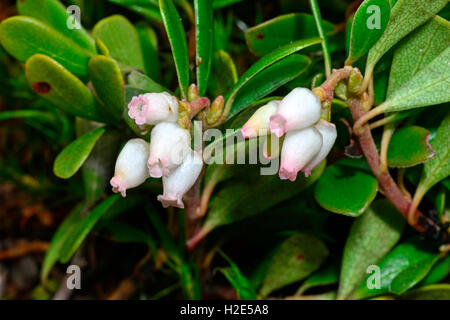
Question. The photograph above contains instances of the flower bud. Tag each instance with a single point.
(298, 110)
(169, 146)
(258, 124)
(299, 148)
(131, 169)
(329, 134)
(151, 108)
(181, 180)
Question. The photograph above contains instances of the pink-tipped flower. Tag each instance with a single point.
(169, 146)
(181, 180)
(151, 108)
(299, 148)
(258, 124)
(131, 166)
(329, 134)
(298, 110)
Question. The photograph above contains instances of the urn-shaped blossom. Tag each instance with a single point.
(152, 108)
(329, 134)
(258, 124)
(181, 180)
(169, 146)
(131, 166)
(298, 110)
(299, 148)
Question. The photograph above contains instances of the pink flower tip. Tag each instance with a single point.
(286, 173)
(170, 202)
(118, 186)
(245, 130)
(137, 109)
(277, 125)
(158, 168)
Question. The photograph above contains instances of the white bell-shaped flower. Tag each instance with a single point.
(181, 180)
(298, 110)
(152, 108)
(299, 148)
(258, 124)
(131, 166)
(169, 146)
(329, 134)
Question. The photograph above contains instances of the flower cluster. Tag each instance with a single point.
(307, 140)
(168, 155)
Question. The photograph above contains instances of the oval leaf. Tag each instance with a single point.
(345, 190)
(23, 37)
(369, 23)
(371, 237)
(177, 39)
(73, 156)
(410, 146)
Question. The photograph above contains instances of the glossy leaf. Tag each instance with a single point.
(345, 190)
(24, 37)
(439, 272)
(282, 30)
(73, 156)
(204, 42)
(111, 92)
(369, 23)
(264, 63)
(297, 257)
(149, 45)
(139, 80)
(269, 80)
(53, 13)
(406, 16)
(121, 39)
(410, 146)
(85, 226)
(409, 277)
(433, 292)
(177, 39)
(417, 50)
(371, 237)
(54, 83)
(402, 257)
(427, 87)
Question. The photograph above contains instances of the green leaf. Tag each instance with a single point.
(297, 257)
(239, 282)
(409, 277)
(64, 231)
(204, 42)
(218, 4)
(223, 74)
(409, 146)
(85, 226)
(427, 87)
(141, 81)
(369, 23)
(112, 91)
(432, 292)
(147, 8)
(54, 14)
(73, 156)
(323, 277)
(371, 237)
(126, 233)
(24, 37)
(149, 45)
(262, 64)
(121, 39)
(406, 16)
(402, 257)
(177, 39)
(269, 80)
(283, 30)
(345, 190)
(417, 50)
(240, 198)
(438, 168)
(439, 272)
(54, 83)
(43, 116)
